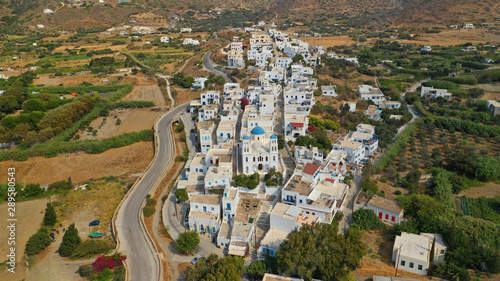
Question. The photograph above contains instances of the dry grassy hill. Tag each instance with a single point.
(356, 13)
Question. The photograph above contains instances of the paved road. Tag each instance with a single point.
(207, 64)
(142, 261)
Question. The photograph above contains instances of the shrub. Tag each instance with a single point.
(108, 262)
(365, 219)
(257, 269)
(187, 242)
(86, 271)
(150, 202)
(71, 240)
(37, 242)
(148, 211)
(32, 190)
(182, 195)
(92, 247)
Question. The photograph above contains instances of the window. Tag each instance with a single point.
(393, 218)
(300, 200)
(307, 212)
(420, 267)
(442, 252)
(403, 263)
(313, 214)
(386, 217)
(212, 208)
(411, 265)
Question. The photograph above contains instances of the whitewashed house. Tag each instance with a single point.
(204, 213)
(411, 252)
(205, 132)
(367, 92)
(328, 90)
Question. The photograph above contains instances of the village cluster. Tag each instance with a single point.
(238, 130)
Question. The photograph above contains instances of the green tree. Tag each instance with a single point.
(487, 169)
(70, 241)
(37, 242)
(33, 105)
(182, 195)
(318, 251)
(281, 141)
(50, 216)
(366, 219)
(229, 268)
(257, 269)
(187, 242)
(443, 189)
(297, 58)
(433, 249)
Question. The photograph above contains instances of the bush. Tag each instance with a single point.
(182, 195)
(187, 242)
(257, 269)
(148, 211)
(32, 190)
(150, 202)
(86, 271)
(71, 240)
(37, 242)
(246, 181)
(58, 186)
(92, 247)
(365, 219)
(108, 262)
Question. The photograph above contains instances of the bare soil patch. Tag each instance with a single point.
(488, 190)
(147, 93)
(329, 41)
(82, 167)
(29, 215)
(131, 120)
(456, 37)
(378, 260)
(184, 95)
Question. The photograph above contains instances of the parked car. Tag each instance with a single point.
(95, 222)
(193, 261)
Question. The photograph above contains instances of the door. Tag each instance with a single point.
(261, 167)
(204, 209)
(380, 215)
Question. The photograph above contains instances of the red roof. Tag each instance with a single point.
(311, 169)
(330, 180)
(293, 124)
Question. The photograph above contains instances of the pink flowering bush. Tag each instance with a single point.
(103, 262)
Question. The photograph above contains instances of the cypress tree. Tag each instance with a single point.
(433, 248)
(71, 240)
(50, 217)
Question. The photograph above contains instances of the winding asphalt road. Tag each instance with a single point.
(142, 260)
(207, 63)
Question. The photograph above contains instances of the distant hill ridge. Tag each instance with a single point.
(361, 13)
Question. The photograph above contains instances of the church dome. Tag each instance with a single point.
(274, 137)
(246, 138)
(258, 131)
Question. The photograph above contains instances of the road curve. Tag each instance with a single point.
(142, 261)
(207, 63)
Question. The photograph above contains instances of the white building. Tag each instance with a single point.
(431, 93)
(352, 105)
(259, 151)
(390, 105)
(210, 97)
(205, 131)
(304, 155)
(236, 46)
(207, 112)
(199, 83)
(226, 130)
(367, 92)
(230, 203)
(468, 26)
(165, 39)
(328, 90)
(295, 125)
(411, 251)
(190, 41)
(426, 49)
(283, 61)
(47, 11)
(218, 177)
(235, 59)
(204, 214)
(186, 30)
(354, 150)
(365, 134)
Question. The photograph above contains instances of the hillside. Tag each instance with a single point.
(317, 14)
